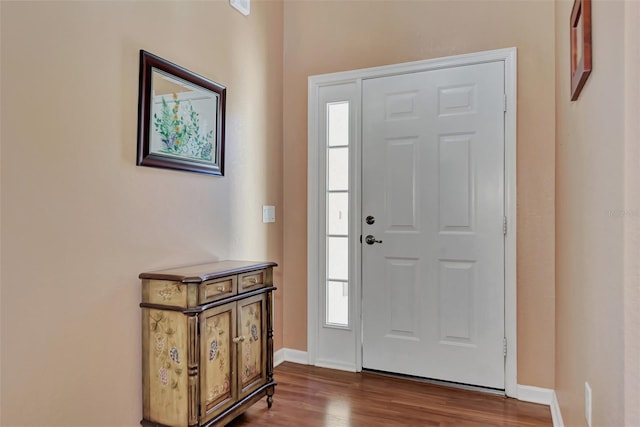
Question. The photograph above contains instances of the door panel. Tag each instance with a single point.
(455, 183)
(252, 325)
(401, 185)
(402, 272)
(433, 177)
(457, 285)
(217, 355)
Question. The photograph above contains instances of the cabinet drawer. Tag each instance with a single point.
(216, 289)
(252, 280)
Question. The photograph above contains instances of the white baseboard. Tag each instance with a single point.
(532, 394)
(556, 415)
(290, 355)
(302, 358)
(544, 396)
(278, 357)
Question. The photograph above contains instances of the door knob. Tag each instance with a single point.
(371, 240)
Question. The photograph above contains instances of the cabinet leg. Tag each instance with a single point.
(270, 397)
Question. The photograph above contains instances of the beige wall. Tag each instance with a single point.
(80, 220)
(592, 213)
(323, 37)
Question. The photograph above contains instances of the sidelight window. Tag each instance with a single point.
(337, 214)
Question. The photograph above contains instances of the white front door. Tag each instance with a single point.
(433, 183)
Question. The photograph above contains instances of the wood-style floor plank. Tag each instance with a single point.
(307, 396)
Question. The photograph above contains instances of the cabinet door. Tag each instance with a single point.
(252, 346)
(217, 358)
(165, 375)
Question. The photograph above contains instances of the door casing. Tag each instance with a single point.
(315, 190)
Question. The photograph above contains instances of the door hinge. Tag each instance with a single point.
(504, 347)
(504, 225)
(504, 102)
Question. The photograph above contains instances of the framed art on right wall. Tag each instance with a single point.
(580, 45)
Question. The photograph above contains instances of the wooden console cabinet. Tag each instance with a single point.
(207, 342)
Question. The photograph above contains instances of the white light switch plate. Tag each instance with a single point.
(243, 6)
(268, 214)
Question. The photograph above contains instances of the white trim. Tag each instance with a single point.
(302, 358)
(509, 57)
(510, 251)
(356, 229)
(313, 232)
(544, 396)
(290, 355)
(531, 394)
(556, 415)
(278, 357)
(296, 356)
(416, 66)
(327, 341)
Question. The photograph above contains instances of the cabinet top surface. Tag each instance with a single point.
(202, 272)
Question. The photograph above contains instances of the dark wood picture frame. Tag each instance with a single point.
(580, 46)
(181, 118)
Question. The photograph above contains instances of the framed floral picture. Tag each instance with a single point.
(181, 118)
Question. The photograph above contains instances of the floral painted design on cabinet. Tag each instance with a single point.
(167, 293)
(217, 334)
(167, 354)
(167, 333)
(251, 366)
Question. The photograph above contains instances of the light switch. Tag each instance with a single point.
(243, 6)
(268, 213)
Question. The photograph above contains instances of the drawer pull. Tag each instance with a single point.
(220, 288)
(253, 280)
(238, 339)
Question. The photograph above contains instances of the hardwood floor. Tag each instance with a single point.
(307, 396)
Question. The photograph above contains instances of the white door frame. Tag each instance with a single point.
(315, 190)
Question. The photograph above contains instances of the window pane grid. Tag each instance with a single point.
(337, 214)
(338, 169)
